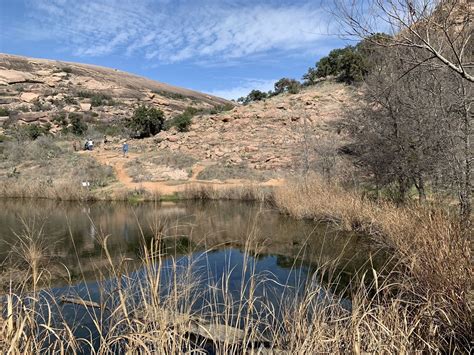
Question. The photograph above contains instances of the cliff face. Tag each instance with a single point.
(36, 90)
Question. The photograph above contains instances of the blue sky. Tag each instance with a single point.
(222, 47)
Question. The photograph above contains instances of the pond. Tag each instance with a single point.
(213, 240)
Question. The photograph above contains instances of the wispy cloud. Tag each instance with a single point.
(244, 88)
(175, 31)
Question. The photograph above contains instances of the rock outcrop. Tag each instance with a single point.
(31, 87)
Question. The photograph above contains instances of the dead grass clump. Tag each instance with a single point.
(242, 172)
(250, 192)
(433, 254)
(62, 191)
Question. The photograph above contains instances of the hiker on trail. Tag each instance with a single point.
(74, 146)
(125, 148)
(89, 144)
(105, 139)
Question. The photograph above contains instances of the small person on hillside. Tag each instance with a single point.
(125, 149)
(89, 144)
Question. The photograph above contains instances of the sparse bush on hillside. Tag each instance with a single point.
(4, 111)
(78, 126)
(291, 86)
(183, 121)
(146, 121)
(221, 108)
(39, 106)
(349, 65)
(61, 119)
(97, 98)
(170, 95)
(254, 95)
(30, 131)
(102, 100)
(70, 100)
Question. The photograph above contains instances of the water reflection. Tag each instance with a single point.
(221, 240)
(75, 232)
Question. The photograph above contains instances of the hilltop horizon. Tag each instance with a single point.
(223, 50)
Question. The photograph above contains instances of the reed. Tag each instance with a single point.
(248, 192)
(428, 241)
(166, 310)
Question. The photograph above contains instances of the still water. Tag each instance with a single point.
(219, 239)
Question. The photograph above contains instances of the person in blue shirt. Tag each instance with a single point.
(125, 149)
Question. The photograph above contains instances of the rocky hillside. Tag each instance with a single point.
(261, 140)
(37, 90)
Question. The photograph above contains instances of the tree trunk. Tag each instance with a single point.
(466, 188)
(420, 187)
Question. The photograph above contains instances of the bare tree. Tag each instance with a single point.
(439, 29)
(425, 89)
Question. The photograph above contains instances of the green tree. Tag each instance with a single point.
(146, 121)
(291, 86)
(255, 95)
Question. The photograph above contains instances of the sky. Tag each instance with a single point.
(225, 48)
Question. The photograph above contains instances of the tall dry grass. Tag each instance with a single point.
(429, 243)
(248, 192)
(163, 308)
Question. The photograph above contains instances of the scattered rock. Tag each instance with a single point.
(31, 116)
(85, 106)
(15, 76)
(28, 96)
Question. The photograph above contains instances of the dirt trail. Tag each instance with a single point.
(168, 187)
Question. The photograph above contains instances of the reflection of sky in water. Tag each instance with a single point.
(73, 232)
(207, 272)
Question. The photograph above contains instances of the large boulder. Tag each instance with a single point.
(28, 96)
(15, 76)
(29, 117)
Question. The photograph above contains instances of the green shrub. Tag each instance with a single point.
(146, 121)
(102, 100)
(221, 108)
(31, 131)
(70, 100)
(254, 95)
(291, 86)
(170, 95)
(61, 119)
(97, 98)
(4, 111)
(183, 121)
(78, 126)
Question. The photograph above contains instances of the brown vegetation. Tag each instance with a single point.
(429, 243)
(411, 307)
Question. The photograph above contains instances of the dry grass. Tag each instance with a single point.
(417, 304)
(242, 172)
(45, 168)
(431, 248)
(64, 191)
(249, 192)
(157, 313)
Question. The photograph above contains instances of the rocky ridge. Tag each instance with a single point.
(37, 90)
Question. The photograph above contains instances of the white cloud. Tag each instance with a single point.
(173, 31)
(244, 88)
